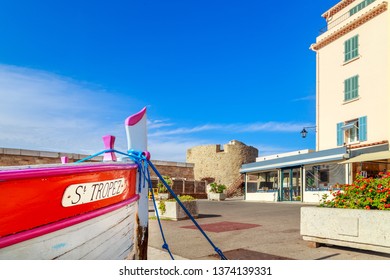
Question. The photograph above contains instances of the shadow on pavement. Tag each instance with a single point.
(244, 254)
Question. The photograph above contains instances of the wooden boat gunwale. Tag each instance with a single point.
(45, 229)
(29, 179)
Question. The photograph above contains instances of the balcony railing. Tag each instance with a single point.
(347, 15)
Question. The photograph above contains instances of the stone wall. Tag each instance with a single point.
(221, 163)
(211, 161)
(14, 157)
(172, 169)
(182, 173)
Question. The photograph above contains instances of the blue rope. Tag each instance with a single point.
(140, 158)
(216, 249)
(144, 177)
(165, 245)
(100, 153)
(142, 163)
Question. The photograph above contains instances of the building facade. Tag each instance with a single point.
(352, 109)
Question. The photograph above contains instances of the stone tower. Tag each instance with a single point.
(221, 164)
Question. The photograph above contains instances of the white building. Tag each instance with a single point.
(352, 110)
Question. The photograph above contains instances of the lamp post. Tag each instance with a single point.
(304, 132)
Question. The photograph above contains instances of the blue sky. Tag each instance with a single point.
(208, 72)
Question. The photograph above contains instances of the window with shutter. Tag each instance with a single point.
(351, 48)
(352, 131)
(351, 88)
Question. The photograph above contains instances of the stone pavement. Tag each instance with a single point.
(244, 230)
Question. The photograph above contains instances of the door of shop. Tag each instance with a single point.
(291, 184)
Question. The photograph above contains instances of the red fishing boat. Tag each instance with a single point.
(90, 210)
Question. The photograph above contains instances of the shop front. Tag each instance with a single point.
(291, 187)
(305, 176)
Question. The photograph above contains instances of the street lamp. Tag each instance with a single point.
(304, 132)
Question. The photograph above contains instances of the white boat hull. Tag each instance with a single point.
(109, 237)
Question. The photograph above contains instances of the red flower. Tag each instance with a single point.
(367, 207)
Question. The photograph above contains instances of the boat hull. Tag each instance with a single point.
(86, 211)
(108, 236)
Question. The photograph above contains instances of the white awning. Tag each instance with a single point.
(331, 155)
(348, 126)
(369, 157)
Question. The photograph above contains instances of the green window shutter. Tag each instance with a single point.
(363, 128)
(340, 134)
(351, 88)
(355, 87)
(346, 90)
(355, 47)
(347, 50)
(351, 48)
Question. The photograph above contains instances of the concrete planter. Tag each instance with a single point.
(173, 210)
(355, 228)
(216, 196)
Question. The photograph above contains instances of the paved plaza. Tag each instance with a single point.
(244, 230)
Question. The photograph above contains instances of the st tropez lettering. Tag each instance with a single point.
(105, 190)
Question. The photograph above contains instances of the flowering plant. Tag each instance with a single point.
(160, 185)
(217, 188)
(363, 193)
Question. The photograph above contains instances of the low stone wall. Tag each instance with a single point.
(196, 189)
(182, 173)
(14, 157)
(173, 169)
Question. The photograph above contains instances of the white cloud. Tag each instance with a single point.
(249, 127)
(172, 144)
(154, 124)
(179, 131)
(44, 111)
(41, 110)
(266, 149)
(305, 98)
(172, 149)
(272, 127)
